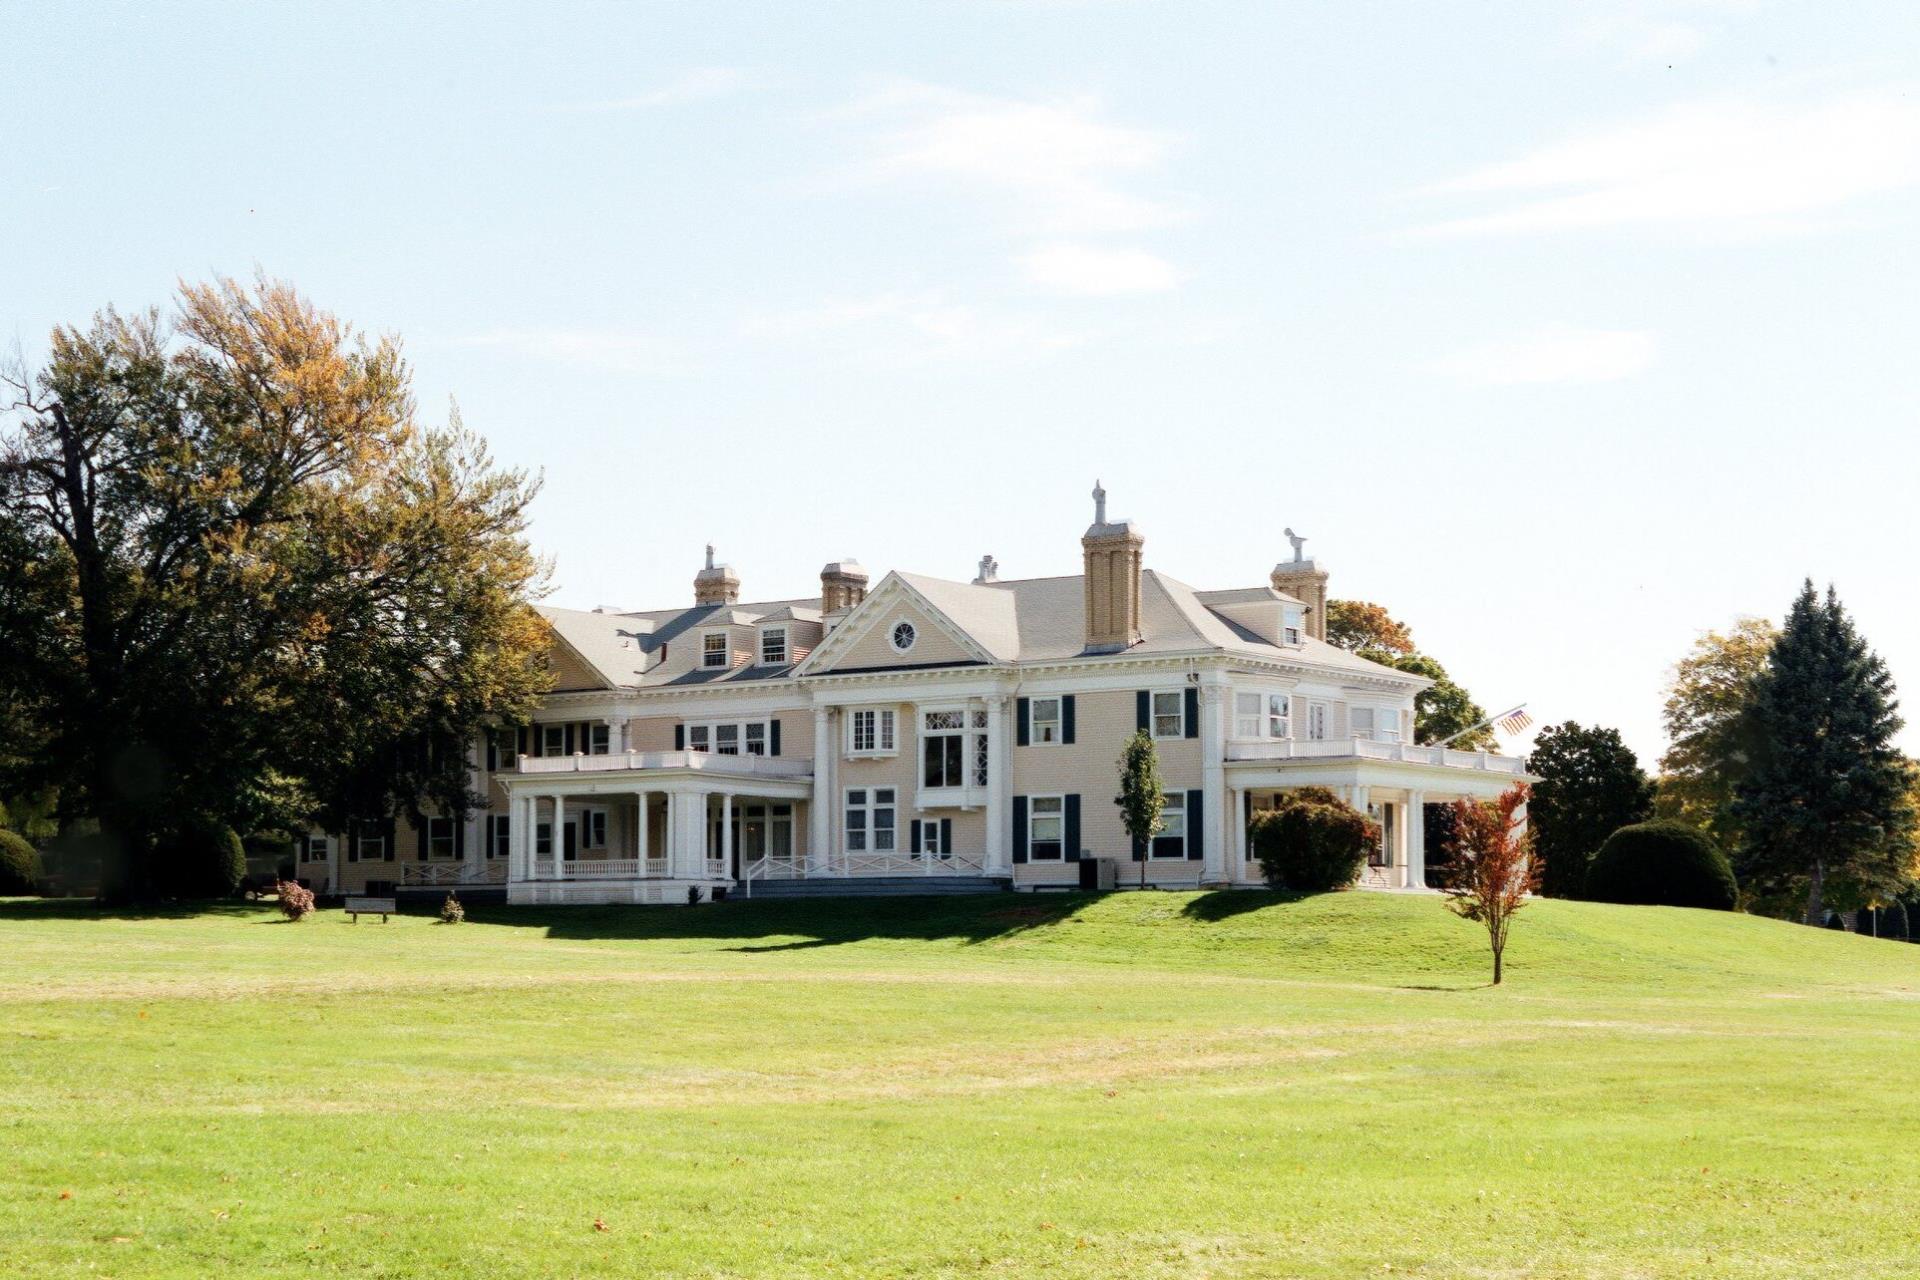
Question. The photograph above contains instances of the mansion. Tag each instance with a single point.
(926, 733)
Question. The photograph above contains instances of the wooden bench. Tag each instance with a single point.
(382, 907)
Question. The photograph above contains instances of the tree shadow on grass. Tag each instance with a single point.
(30, 909)
(1224, 904)
(807, 924)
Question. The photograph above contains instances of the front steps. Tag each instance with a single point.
(908, 886)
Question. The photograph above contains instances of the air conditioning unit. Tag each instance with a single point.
(1098, 873)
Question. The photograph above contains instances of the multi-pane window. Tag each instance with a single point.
(1172, 840)
(714, 651)
(1317, 721)
(730, 738)
(1046, 828)
(773, 646)
(953, 748)
(870, 820)
(553, 739)
(371, 848)
(499, 831)
(593, 828)
(930, 840)
(870, 731)
(979, 721)
(316, 850)
(1045, 719)
(543, 839)
(699, 737)
(1169, 714)
(506, 747)
(599, 739)
(1377, 724)
(1294, 621)
(440, 843)
(753, 737)
(726, 739)
(1261, 715)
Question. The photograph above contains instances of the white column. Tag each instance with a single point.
(559, 837)
(640, 832)
(1416, 839)
(820, 810)
(1236, 852)
(672, 833)
(726, 829)
(999, 786)
(333, 862)
(1213, 784)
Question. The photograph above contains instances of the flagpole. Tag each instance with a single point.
(1475, 728)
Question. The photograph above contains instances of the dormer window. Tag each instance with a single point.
(1294, 620)
(773, 646)
(714, 652)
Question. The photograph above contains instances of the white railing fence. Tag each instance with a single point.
(493, 871)
(1368, 749)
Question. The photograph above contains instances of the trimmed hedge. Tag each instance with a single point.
(1313, 842)
(1662, 864)
(203, 859)
(20, 869)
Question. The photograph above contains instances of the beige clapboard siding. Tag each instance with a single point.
(569, 672)
(932, 644)
(1090, 767)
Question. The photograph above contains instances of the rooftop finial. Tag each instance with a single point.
(710, 553)
(1298, 542)
(1099, 504)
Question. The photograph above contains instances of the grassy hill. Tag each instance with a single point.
(1135, 1084)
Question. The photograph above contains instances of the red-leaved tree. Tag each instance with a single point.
(1493, 868)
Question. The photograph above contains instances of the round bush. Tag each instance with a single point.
(19, 864)
(1663, 864)
(203, 859)
(1312, 842)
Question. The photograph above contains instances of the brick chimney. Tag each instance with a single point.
(1305, 581)
(989, 571)
(1111, 552)
(843, 584)
(715, 584)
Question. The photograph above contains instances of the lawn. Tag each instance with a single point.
(1128, 1085)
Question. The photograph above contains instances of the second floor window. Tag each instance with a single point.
(1378, 724)
(953, 748)
(599, 739)
(1169, 714)
(714, 651)
(553, 739)
(1046, 720)
(1317, 721)
(1262, 715)
(730, 738)
(870, 731)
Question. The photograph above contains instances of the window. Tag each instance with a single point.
(1317, 721)
(1377, 724)
(599, 739)
(953, 748)
(930, 840)
(592, 828)
(714, 651)
(903, 636)
(870, 732)
(1169, 714)
(773, 646)
(316, 849)
(499, 841)
(870, 820)
(699, 737)
(553, 739)
(1172, 840)
(979, 749)
(440, 842)
(754, 737)
(730, 737)
(726, 739)
(1294, 620)
(1045, 713)
(372, 848)
(1046, 828)
(543, 840)
(506, 749)
(1261, 715)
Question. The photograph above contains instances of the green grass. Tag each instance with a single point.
(1131, 1085)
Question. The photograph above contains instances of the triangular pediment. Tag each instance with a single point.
(869, 638)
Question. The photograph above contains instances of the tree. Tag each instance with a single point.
(1662, 864)
(258, 589)
(1591, 785)
(1312, 841)
(1357, 625)
(1709, 727)
(1141, 798)
(1826, 796)
(1491, 870)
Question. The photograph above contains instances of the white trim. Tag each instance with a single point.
(886, 732)
(870, 806)
(1033, 813)
(912, 634)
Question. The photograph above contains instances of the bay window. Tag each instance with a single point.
(953, 748)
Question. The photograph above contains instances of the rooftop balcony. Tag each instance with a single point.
(1367, 749)
(698, 761)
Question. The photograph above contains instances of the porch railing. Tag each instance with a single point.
(1368, 749)
(493, 871)
(700, 761)
(843, 865)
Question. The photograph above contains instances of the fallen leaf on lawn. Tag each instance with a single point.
(600, 1224)
(66, 1195)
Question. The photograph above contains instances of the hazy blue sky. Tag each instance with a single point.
(1566, 333)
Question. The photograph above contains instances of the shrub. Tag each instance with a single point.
(451, 912)
(1665, 864)
(1312, 841)
(296, 901)
(200, 859)
(19, 864)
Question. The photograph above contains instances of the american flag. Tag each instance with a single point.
(1514, 721)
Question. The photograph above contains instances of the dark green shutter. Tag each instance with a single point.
(1072, 824)
(567, 749)
(773, 737)
(1066, 720)
(493, 751)
(1023, 722)
(352, 837)
(1196, 825)
(520, 740)
(392, 853)
(537, 738)
(1019, 828)
(422, 834)
(1193, 712)
(1143, 710)
(913, 836)
(459, 838)
(679, 737)
(946, 837)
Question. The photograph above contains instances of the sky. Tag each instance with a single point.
(1565, 332)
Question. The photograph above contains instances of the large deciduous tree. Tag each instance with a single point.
(1591, 785)
(1439, 712)
(1825, 801)
(243, 583)
(1355, 625)
(1710, 726)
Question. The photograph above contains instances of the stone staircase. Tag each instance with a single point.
(867, 887)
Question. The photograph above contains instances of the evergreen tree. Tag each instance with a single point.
(1591, 785)
(1825, 799)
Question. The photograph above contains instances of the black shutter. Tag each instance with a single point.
(459, 838)
(773, 737)
(1066, 720)
(1193, 712)
(421, 833)
(567, 750)
(1019, 828)
(913, 836)
(1072, 825)
(679, 737)
(537, 739)
(946, 837)
(388, 832)
(1022, 722)
(1143, 710)
(352, 837)
(1196, 825)
(493, 751)
(520, 740)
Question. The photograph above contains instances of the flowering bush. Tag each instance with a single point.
(296, 902)
(451, 912)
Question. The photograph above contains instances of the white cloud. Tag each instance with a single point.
(1090, 271)
(1552, 355)
(903, 329)
(1743, 165)
(609, 350)
(1658, 31)
(692, 85)
(1058, 166)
